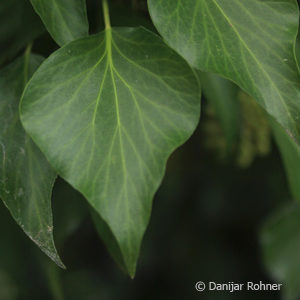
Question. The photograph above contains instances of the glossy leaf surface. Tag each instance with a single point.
(250, 42)
(107, 111)
(26, 178)
(66, 20)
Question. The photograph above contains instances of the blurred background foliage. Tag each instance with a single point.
(223, 213)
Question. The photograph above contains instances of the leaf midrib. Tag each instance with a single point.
(108, 42)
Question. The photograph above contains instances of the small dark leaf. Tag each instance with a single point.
(222, 95)
(19, 25)
(66, 20)
(26, 179)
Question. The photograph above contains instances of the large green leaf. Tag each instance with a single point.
(280, 241)
(19, 24)
(66, 20)
(107, 111)
(26, 179)
(250, 42)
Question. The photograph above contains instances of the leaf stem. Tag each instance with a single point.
(26, 62)
(106, 14)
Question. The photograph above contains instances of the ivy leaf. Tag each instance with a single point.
(280, 242)
(107, 111)
(26, 179)
(250, 42)
(66, 20)
(19, 25)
